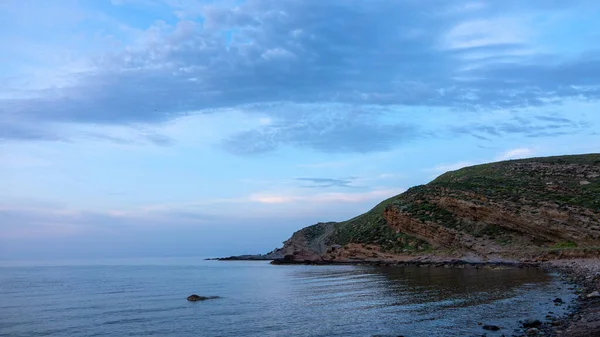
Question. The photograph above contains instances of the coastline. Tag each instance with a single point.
(582, 276)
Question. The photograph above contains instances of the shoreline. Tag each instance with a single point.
(581, 275)
(584, 319)
(453, 263)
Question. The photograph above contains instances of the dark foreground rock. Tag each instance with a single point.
(531, 323)
(490, 327)
(196, 298)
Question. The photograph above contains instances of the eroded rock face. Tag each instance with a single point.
(546, 221)
(297, 248)
(437, 235)
(524, 228)
(308, 244)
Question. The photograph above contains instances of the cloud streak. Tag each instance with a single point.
(276, 198)
(337, 128)
(327, 182)
(524, 125)
(517, 153)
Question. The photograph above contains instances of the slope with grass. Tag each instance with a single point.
(529, 208)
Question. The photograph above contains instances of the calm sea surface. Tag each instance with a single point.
(148, 298)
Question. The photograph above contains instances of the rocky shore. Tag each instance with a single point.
(272, 255)
(258, 257)
(584, 319)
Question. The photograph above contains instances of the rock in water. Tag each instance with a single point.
(490, 327)
(531, 323)
(195, 298)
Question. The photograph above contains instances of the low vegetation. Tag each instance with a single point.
(371, 228)
(564, 180)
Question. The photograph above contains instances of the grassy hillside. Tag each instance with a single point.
(545, 202)
(565, 180)
(372, 228)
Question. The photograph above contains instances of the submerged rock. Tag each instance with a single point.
(531, 323)
(195, 298)
(490, 327)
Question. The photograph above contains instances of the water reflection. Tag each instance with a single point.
(425, 301)
(435, 284)
(448, 282)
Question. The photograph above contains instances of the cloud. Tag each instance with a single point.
(159, 139)
(277, 53)
(442, 168)
(366, 55)
(485, 32)
(268, 198)
(14, 131)
(327, 182)
(336, 128)
(522, 123)
(516, 154)
(18, 221)
(27, 220)
(554, 119)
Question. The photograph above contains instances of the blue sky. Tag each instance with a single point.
(176, 127)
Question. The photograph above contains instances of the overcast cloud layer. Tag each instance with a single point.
(452, 54)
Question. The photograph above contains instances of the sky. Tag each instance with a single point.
(158, 128)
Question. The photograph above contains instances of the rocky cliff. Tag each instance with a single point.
(535, 208)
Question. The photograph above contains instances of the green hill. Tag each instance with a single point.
(506, 209)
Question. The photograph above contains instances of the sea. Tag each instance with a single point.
(147, 297)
